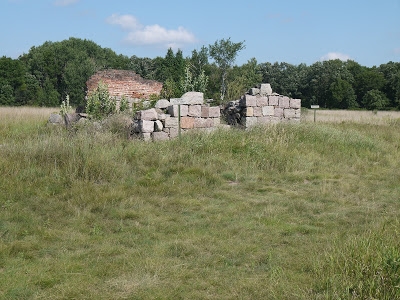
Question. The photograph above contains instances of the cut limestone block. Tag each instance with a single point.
(146, 136)
(163, 116)
(278, 112)
(273, 100)
(203, 123)
(171, 122)
(264, 120)
(248, 111)
(175, 101)
(194, 111)
(216, 122)
(160, 136)
(148, 114)
(254, 91)
(56, 119)
(289, 113)
(249, 121)
(265, 89)
(284, 102)
(295, 103)
(189, 98)
(187, 122)
(158, 126)
(248, 100)
(257, 111)
(173, 132)
(262, 101)
(210, 111)
(146, 126)
(162, 104)
(193, 98)
(298, 113)
(268, 110)
(173, 110)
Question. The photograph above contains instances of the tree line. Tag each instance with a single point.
(48, 73)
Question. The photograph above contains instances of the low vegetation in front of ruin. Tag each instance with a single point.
(288, 211)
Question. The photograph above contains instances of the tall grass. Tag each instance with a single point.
(305, 211)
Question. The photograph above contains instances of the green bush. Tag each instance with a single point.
(99, 103)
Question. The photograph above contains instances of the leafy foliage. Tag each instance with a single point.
(47, 73)
(224, 53)
(375, 99)
(99, 103)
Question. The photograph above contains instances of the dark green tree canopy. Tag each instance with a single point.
(49, 72)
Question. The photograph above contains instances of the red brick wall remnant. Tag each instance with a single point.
(124, 83)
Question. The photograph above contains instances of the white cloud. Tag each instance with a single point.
(335, 55)
(127, 22)
(139, 34)
(64, 2)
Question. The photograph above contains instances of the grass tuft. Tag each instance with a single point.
(288, 211)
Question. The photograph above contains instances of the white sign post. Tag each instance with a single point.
(314, 107)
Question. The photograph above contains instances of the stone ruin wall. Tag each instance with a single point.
(258, 106)
(179, 115)
(124, 83)
(261, 106)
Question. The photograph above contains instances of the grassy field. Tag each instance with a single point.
(304, 211)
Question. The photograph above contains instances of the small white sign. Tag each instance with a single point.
(314, 106)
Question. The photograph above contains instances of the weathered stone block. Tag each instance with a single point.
(216, 122)
(171, 122)
(249, 121)
(194, 111)
(248, 100)
(162, 104)
(148, 114)
(210, 111)
(298, 113)
(175, 101)
(158, 126)
(295, 103)
(289, 113)
(173, 132)
(249, 111)
(189, 98)
(265, 89)
(163, 116)
(187, 122)
(268, 110)
(71, 118)
(193, 98)
(284, 102)
(146, 126)
(203, 123)
(173, 110)
(146, 136)
(160, 136)
(56, 119)
(262, 101)
(264, 120)
(254, 91)
(273, 100)
(278, 112)
(257, 111)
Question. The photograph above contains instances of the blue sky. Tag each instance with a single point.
(289, 31)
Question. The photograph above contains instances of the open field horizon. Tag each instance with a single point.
(287, 211)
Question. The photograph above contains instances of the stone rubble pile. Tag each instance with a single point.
(163, 121)
(178, 115)
(261, 106)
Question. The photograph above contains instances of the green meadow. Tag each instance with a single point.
(288, 211)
